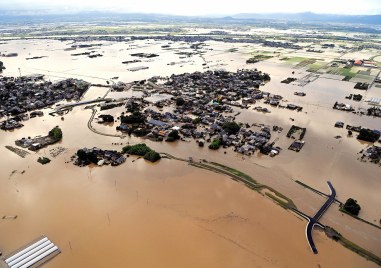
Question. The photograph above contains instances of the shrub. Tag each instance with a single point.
(43, 160)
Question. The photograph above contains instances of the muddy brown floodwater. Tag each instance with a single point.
(165, 215)
(171, 214)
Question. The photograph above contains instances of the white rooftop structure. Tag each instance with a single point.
(374, 101)
(33, 255)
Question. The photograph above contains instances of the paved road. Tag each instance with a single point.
(314, 221)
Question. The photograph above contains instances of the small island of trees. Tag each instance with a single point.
(43, 160)
(135, 118)
(142, 150)
(55, 134)
(352, 207)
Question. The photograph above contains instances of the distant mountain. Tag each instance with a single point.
(48, 16)
(39, 16)
(313, 17)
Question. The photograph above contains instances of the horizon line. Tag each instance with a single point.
(56, 11)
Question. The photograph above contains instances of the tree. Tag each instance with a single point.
(173, 136)
(138, 149)
(196, 121)
(1, 66)
(152, 156)
(215, 145)
(82, 154)
(87, 156)
(266, 77)
(107, 118)
(56, 133)
(135, 118)
(368, 135)
(141, 132)
(180, 101)
(43, 160)
(231, 127)
(352, 207)
(133, 107)
(92, 157)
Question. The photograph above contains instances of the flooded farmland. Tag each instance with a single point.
(177, 214)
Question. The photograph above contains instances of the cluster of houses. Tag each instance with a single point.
(363, 63)
(28, 93)
(343, 107)
(202, 107)
(355, 97)
(374, 111)
(10, 124)
(34, 144)
(226, 39)
(15, 121)
(373, 153)
(98, 156)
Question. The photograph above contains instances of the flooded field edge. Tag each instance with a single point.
(279, 199)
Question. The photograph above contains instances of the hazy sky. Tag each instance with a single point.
(204, 7)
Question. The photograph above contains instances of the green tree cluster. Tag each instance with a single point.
(87, 156)
(142, 150)
(173, 136)
(152, 156)
(368, 135)
(231, 127)
(137, 149)
(216, 143)
(135, 118)
(352, 207)
(266, 77)
(141, 132)
(56, 133)
(43, 160)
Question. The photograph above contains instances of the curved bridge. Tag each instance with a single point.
(315, 219)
